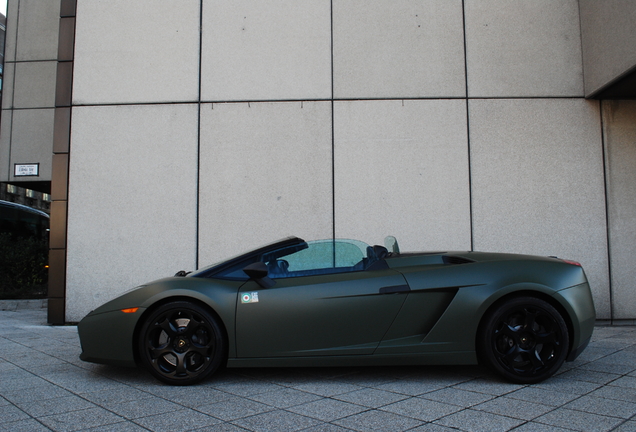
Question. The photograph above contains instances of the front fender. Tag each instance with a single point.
(107, 334)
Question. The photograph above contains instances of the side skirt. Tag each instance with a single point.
(448, 358)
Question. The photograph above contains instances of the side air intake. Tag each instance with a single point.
(456, 260)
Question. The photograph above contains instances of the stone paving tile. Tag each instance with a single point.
(455, 396)
(539, 427)
(124, 426)
(77, 420)
(276, 421)
(370, 377)
(115, 395)
(547, 397)
(378, 421)
(371, 398)
(141, 408)
(567, 385)
(245, 387)
(15, 383)
(626, 381)
(10, 413)
(411, 387)
(589, 376)
(431, 427)
(44, 386)
(234, 407)
(479, 421)
(602, 406)
(176, 421)
(285, 397)
(222, 427)
(591, 353)
(629, 426)
(616, 393)
(188, 396)
(515, 408)
(579, 421)
(80, 381)
(606, 366)
(46, 371)
(41, 408)
(28, 425)
(40, 393)
(421, 409)
(326, 427)
(494, 387)
(327, 409)
(326, 388)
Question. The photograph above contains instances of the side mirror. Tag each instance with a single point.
(258, 272)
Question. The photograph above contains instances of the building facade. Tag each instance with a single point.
(180, 133)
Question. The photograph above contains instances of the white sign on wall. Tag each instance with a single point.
(26, 170)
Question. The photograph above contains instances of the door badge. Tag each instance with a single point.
(249, 297)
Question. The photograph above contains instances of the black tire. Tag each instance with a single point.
(524, 339)
(181, 343)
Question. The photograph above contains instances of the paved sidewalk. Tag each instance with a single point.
(44, 386)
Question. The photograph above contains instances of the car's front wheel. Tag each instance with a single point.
(525, 339)
(181, 343)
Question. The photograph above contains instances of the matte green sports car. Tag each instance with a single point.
(344, 303)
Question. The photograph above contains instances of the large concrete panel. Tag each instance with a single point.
(537, 181)
(401, 168)
(403, 48)
(265, 174)
(38, 30)
(523, 48)
(608, 33)
(7, 85)
(34, 84)
(274, 50)
(619, 120)
(5, 145)
(132, 200)
(136, 51)
(11, 31)
(32, 141)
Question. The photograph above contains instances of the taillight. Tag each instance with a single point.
(571, 262)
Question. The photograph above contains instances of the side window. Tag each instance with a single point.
(319, 257)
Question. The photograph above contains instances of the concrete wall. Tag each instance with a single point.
(608, 34)
(338, 117)
(28, 94)
(619, 119)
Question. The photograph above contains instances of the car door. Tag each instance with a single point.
(331, 314)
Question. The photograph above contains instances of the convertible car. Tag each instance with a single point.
(344, 303)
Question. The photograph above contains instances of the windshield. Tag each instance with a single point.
(296, 259)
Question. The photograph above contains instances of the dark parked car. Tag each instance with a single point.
(342, 303)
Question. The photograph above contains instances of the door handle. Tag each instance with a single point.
(395, 289)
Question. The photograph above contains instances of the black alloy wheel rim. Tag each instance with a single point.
(180, 344)
(527, 341)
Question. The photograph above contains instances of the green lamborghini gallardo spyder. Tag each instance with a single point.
(297, 303)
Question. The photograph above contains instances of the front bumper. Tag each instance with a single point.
(108, 337)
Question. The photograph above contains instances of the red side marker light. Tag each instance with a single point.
(130, 310)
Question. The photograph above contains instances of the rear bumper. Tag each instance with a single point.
(577, 300)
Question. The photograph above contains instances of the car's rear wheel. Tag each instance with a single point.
(525, 339)
(181, 343)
